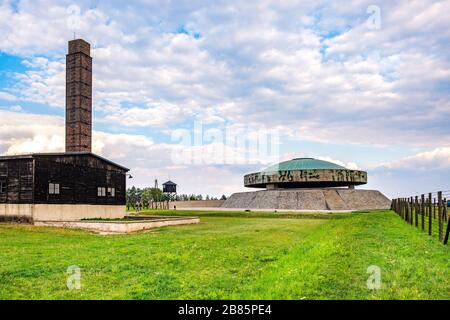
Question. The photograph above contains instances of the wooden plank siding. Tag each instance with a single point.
(18, 175)
(78, 176)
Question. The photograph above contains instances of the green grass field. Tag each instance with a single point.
(254, 256)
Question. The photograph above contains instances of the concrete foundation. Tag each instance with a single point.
(59, 212)
(309, 199)
(113, 227)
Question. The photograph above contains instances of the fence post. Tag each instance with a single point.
(405, 208)
(401, 207)
(402, 211)
(409, 210)
(448, 222)
(416, 211)
(448, 226)
(434, 208)
(440, 224)
(411, 213)
(422, 211)
(445, 209)
(425, 206)
(430, 216)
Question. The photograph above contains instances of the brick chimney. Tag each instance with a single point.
(79, 97)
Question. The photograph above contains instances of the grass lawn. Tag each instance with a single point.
(242, 214)
(231, 256)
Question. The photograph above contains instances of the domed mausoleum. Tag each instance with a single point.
(307, 184)
(305, 173)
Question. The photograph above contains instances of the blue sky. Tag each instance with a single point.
(331, 79)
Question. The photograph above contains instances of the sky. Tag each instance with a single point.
(203, 92)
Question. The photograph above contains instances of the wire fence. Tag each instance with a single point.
(424, 210)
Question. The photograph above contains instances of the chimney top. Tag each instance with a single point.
(79, 45)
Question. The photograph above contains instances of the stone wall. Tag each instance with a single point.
(309, 199)
(59, 212)
(16, 212)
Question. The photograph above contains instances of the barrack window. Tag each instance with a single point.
(3, 186)
(101, 192)
(111, 192)
(53, 188)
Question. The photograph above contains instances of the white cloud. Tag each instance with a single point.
(26, 133)
(7, 96)
(16, 108)
(438, 158)
(157, 114)
(348, 165)
(43, 83)
(417, 174)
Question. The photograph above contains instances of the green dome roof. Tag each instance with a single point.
(302, 164)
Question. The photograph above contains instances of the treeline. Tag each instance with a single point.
(146, 197)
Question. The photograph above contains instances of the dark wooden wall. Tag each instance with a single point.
(78, 176)
(170, 188)
(18, 174)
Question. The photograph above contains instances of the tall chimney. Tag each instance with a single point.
(79, 97)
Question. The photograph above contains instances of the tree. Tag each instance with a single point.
(224, 197)
(131, 196)
(146, 197)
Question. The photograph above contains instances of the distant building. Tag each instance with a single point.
(169, 187)
(73, 185)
